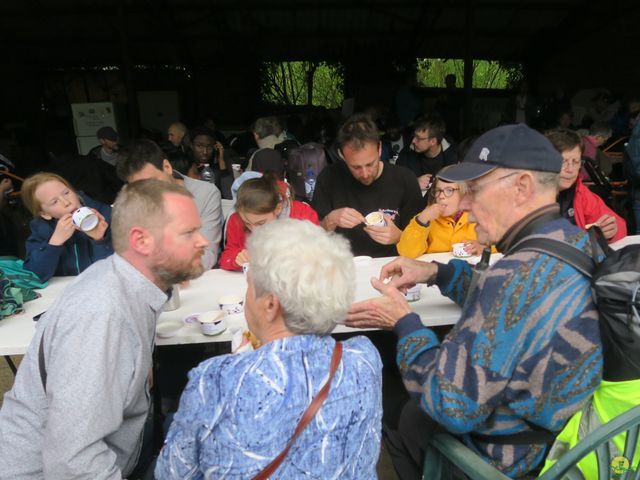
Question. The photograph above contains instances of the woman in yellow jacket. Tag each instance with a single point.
(440, 224)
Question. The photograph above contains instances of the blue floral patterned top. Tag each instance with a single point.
(238, 412)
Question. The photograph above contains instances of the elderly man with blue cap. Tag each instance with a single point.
(525, 353)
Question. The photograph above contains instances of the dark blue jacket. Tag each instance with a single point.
(71, 258)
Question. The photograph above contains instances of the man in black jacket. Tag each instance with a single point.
(429, 150)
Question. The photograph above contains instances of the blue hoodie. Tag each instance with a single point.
(75, 255)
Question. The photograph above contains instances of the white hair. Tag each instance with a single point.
(309, 270)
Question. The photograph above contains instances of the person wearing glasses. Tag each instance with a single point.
(441, 224)
(429, 150)
(525, 353)
(578, 204)
(260, 201)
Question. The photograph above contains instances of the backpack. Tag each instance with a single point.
(268, 160)
(305, 163)
(615, 287)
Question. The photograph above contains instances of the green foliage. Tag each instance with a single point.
(486, 73)
(287, 83)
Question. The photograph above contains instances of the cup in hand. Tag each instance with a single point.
(85, 219)
(375, 219)
(231, 304)
(459, 250)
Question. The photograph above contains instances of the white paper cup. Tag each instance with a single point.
(375, 219)
(459, 250)
(85, 219)
(212, 322)
(231, 304)
(413, 294)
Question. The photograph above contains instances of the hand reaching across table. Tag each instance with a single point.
(380, 312)
(405, 272)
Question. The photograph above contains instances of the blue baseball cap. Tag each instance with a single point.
(510, 146)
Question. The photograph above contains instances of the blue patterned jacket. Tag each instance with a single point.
(238, 412)
(526, 349)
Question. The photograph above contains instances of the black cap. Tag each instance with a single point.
(108, 133)
(510, 146)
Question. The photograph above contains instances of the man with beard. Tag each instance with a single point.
(348, 190)
(81, 396)
(144, 159)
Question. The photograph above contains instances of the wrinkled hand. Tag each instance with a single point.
(430, 213)
(381, 312)
(242, 257)
(387, 235)
(344, 218)
(63, 231)
(406, 272)
(608, 225)
(424, 181)
(99, 230)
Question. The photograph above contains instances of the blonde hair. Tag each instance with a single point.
(31, 184)
(462, 189)
(141, 204)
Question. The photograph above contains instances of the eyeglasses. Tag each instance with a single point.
(474, 189)
(571, 163)
(446, 192)
(420, 139)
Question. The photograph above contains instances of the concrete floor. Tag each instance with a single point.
(385, 469)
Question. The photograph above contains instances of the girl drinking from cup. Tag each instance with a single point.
(259, 201)
(440, 225)
(57, 246)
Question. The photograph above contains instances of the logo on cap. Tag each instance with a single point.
(484, 154)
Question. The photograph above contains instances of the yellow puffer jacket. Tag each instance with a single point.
(438, 237)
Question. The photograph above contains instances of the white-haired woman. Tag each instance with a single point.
(238, 412)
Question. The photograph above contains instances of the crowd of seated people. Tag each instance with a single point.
(513, 179)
